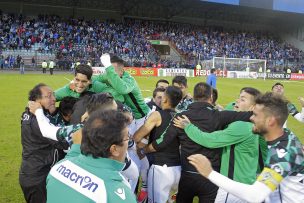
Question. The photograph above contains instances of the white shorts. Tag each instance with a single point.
(162, 181)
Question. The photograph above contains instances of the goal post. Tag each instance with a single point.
(238, 67)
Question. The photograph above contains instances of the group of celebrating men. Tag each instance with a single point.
(104, 136)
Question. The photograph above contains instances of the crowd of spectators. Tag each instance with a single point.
(85, 40)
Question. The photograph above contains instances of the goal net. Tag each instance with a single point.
(237, 67)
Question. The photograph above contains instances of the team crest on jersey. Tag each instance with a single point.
(281, 152)
(278, 168)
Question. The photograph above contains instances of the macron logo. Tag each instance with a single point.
(121, 193)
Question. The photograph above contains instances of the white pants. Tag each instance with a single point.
(224, 197)
(162, 181)
(131, 174)
(142, 165)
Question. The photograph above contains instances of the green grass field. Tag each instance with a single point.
(14, 90)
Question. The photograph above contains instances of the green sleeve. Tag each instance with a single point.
(235, 132)
(65, 92)
(98, 86)
(123, 85)
(62, 92)
(100, 78)
(74, 151)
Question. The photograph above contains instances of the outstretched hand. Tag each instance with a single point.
(33, 106)
(105, 59)
(181, 122)
(201, 163)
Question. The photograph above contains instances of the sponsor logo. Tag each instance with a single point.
(147, 72)
(278, 75)
(121, 193)
(131, 71)
(84, 181)
(297, 76)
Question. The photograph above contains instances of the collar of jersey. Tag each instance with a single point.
(197, 105)
(104, 163)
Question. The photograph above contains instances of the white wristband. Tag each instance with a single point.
(144, 141)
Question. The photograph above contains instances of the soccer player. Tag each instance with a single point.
(211, 79)
(123, 83)
(94, 175)
(164, 173)
(162, 83)
(278, 88)
(181, 82)
(282, 178)
(83, 84)
(66, 108)
(155, 103)
(241, 158)
(202, 114)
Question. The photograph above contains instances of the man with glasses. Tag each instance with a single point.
(94, 175)
(38, 152)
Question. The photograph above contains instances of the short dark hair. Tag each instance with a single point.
(99, 101)
(212, 70)
(101, 131)
(180, 79)
(85, 70)
(214, 96)
(116, 59)
(36, 93)
(161, 80)
(202, 91)
(174, 95)
(66, 105)
(274, 105)
(159, 89)
(278, 83)
(252, 91)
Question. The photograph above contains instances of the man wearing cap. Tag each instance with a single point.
(278, 88)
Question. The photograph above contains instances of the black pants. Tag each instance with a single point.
(43, 70)
(51, 71)
(33, 187)
(191, 185)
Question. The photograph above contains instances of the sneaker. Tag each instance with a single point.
(142, 196)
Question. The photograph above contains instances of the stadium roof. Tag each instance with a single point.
(171, 10)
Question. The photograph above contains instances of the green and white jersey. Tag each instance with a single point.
(66, 132)
(183, 104)
(285, 164)
(80, 178)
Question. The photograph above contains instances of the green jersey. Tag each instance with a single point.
(240, 156)
(79, 178)
(96, 87)
(284, 165)
(126, 86)
(230, 106)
